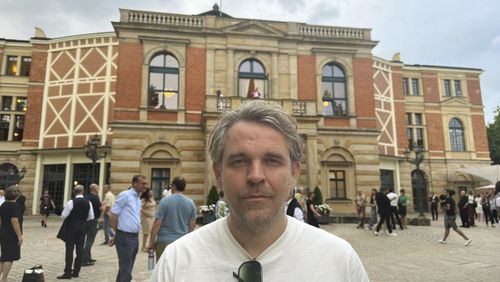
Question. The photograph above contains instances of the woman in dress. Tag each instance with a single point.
(311, 211)
(11, 237)
(479, 208)
(147, 216)
(361, 209)
(46, 203)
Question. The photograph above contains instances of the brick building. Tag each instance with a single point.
(153, 90)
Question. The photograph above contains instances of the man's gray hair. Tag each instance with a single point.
(260, 112)
(78, 189)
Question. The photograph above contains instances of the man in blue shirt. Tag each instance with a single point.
(175, 218)
(126, 223)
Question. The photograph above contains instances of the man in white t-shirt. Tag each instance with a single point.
(256, 153)
(393, 197)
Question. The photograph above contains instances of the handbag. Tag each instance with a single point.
(34, 274)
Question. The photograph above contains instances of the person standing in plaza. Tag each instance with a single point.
(221, 208)
(361, 209)
(91, 224)
(463, 204)
(434, 199)
(293, 207)
(485, 205)
(471, 209)
(76, 213)
(479, 208)
(11, 236)
(450, 219)
(312, 213)
(496, 200)
(256, 153)
(384, 210)
(373, 209)
(46, 203)
(175, 218)
(393, 197)
(107, 203)
(403, 206)
(21, 200)
(126, 224)
(147, 216)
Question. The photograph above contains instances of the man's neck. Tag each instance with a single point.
(255, 242)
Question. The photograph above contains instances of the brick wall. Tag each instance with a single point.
(435, 133)
(128, 84)
(430, 87)
(195, 79)
(474, 90)
(306, 78)
(363, 92)
(35, 95)
(479, 132)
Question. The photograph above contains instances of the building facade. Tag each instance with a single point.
(153, 90)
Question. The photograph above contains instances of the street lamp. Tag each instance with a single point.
(95, 152)
(417, 177)
(20, 175)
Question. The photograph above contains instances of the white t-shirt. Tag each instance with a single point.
(394, 198)
(166, 193)
(212, 254)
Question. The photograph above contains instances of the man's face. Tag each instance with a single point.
(141, 185)
(256, 174)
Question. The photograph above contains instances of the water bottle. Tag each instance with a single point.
(151, 260)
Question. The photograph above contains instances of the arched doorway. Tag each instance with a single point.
(419, 189)
(9, 175)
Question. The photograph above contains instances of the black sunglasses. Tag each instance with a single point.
(249, 271)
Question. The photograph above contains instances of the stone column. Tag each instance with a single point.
(230, 82)
(312, 162)
(274, 78)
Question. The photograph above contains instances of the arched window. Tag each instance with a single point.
(9, 175)
(456, 135)
(252, 79)
(163, 82)
(334, 90)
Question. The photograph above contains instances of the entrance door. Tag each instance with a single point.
(419, 189)
(387, 178)
(53, 181)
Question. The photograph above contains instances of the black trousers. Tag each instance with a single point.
(90, 238)
(395, 214)
(434, 211)
(464, 217)
(384, 217)
(72, 242)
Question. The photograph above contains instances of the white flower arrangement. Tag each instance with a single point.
(207, 208)
(323, 208)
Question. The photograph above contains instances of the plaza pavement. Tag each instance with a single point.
(414, 255)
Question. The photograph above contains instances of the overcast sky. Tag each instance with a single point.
(432, 32)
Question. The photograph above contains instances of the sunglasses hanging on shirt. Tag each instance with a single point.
(249, 271)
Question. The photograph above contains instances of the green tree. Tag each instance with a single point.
(493, 130)
(318, 197)
(213, 196)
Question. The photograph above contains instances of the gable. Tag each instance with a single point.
(455, 101)
(251, 27)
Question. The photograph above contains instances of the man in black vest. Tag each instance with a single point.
(91, 224)
(76, 213)
(293, 208)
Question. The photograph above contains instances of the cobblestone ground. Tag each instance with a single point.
(414, 255)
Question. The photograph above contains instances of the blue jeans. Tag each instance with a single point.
(107, 228)
(127, 245)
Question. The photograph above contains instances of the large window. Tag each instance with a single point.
(447, 88)
(252, 80)
(12, 116)
(456, 135)
(406, 90)
(11, 68)
(452, 88)
(333, 82)
(163, 82)
(25, 66)
(415, 130)
(337, 184)
(413, 89)
(458, 88)
(160, 179)
(53, 181)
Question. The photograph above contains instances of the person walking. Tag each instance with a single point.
(107, 203)
(11, 237)
(46, 203)
(91, 224)
(393, 197)
(76, 214)
(450, 219)
(384, 210)
(373, 209)
(485, 205)
(361, 209)
(293, 207)
(126, 224)
(175, 218)
(312, 213)
(434, 199)
(147, 216)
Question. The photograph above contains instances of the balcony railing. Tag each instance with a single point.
(334, 32)
(296, 107)
(161, 18)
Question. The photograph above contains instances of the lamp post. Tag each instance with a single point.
(417, 177)
(20, 175)
(95, 152)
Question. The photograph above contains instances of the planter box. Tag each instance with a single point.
(324, 219)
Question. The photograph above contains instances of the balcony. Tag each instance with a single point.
(216, 104)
